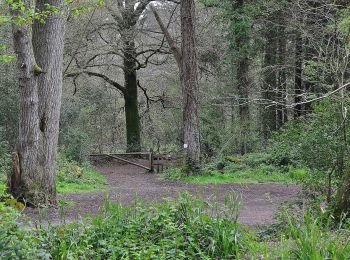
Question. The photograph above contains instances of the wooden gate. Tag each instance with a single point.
(155, 162)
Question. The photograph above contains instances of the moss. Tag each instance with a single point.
(37, 70)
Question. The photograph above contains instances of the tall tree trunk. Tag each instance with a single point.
(48, 42)
(243, 93)
(282, 116)
(270, 82)
(186, 59)
(190, 84)
(242, 41)
(25, 181)
(298, 82)
(308, 86)
(33, 175)
(131, 94)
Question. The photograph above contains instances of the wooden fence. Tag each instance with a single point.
(154, 162)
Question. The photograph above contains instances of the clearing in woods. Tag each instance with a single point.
(259, 202)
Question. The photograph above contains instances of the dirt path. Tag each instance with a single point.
(259, 201)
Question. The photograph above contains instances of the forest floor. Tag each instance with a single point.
(259, 202)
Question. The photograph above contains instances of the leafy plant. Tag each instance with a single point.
(310, 238)
(178, 229)
(76, 145)
(74, 177)
(5, 159)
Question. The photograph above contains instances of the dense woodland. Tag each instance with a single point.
(238, 91)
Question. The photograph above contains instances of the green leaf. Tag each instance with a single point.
(7, 58)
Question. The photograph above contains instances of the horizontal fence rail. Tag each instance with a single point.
(156, 162)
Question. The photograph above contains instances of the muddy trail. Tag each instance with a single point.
(259, 202)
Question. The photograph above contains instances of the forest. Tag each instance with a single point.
(174, 129)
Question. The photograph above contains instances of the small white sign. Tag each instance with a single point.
(185, 146)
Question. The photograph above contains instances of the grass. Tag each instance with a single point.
(91, 182)
(73, 177)
(245, 176)
(248, 169)
(312, 237)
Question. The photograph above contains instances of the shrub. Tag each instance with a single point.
(76, 145)
(318, 142)
(257, 159)
(179, 229)
(173, 174)
(74, 177)
(234, 159)
(15, 242)
(69, 170)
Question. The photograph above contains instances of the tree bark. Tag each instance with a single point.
(131, 98)
(243, 82)
(33, 177)
(243, 93)
(48, 43)
(270, 82)
(132, 118)
(186, 59)
(298, 82)
(190, 84)
(282, 115)
(25, 181)
(126, 19)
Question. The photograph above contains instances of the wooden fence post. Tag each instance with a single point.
(151, 166)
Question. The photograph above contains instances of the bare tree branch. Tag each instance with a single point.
(174, 48)
(115, 84)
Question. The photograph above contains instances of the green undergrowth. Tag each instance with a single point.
(73, 177)
(182, 228)
(15, 242)
(247, 177)
(248, 169)
(308, 235)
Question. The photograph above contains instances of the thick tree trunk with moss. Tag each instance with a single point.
(190, 84)
(48, 43)
(39, 62)
(132, 116)
(131, 94)
(25, 181)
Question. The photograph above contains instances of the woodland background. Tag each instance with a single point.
(273, 80)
